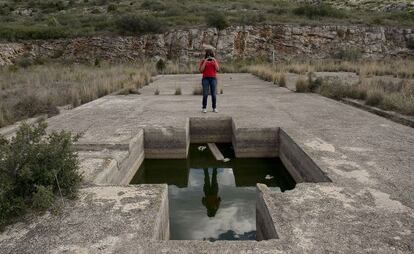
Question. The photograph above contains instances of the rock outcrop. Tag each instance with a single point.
(279, 41)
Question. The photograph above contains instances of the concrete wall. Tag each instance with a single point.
(162, 224)
(255, 142)
(265, 228)
(211, 130)
(166, 142)
(300, 166)
(116, 163)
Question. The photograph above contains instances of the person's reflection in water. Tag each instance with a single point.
(211, 200)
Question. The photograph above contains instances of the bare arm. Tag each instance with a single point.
(203, 66)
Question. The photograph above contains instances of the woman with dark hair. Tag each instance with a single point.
(209, 67)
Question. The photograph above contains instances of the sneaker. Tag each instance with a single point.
(215, 110)
(204, 110)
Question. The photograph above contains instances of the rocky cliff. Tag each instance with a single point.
(280, 41)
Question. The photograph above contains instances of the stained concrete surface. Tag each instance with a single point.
(367, 208)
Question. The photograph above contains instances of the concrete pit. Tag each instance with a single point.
(353, 171)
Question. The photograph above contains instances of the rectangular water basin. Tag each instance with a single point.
(210, 199)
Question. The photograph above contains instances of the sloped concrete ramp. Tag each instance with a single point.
(367, 206)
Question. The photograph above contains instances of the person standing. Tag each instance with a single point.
(209, 67)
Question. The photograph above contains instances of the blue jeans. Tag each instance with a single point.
(209, 84)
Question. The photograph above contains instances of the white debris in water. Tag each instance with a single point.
(201, 148)
(268, 177)
(226, 159)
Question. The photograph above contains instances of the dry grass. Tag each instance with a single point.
(268, 73)
(383, 92)
(40, 89)
(395, 68)
(302, 85)
(395, 96)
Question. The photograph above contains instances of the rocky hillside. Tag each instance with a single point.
(52, 19)
(280, 41)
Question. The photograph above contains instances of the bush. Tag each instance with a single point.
(112, 7)
(374, 97)
(178, 91)
(302, 86)
(152, 5)
(34, 169)
(24, 62)
(160, 65)
(316, 11)
(217, 20)
(139, 24)
(20, 32)
(31, 105)
(350, 54)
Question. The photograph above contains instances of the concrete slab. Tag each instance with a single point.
(101, 219)
(368, 206)
(215, 151)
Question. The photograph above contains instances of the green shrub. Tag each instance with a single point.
(96, 11)
(24, 62)
(316, 11)
(178, 91)
(43, 198)
(139, 24)
(112, 8)
(34, 169)
(217, 20)
(160, 65)
(152, 5)
(21, 32)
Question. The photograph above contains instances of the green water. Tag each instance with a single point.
(210, 199)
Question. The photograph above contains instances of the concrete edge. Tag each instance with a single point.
(265, 226)
(162, 223)
(299, 164)
(393, 116)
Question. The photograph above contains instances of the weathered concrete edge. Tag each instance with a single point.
(393, 116)
(255, 142)
(124, 170)
(210, 130)
(162, 223)
(265, 226)
(299, 164)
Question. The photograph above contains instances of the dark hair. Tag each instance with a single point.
(209, 53)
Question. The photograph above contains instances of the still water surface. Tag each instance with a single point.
(210, 199)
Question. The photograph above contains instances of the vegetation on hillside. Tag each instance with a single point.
(48, 19)
(35, 170)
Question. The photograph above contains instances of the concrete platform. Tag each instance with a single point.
(367, 207)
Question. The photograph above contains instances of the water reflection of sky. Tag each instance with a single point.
(234, 218)
(225, 176)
